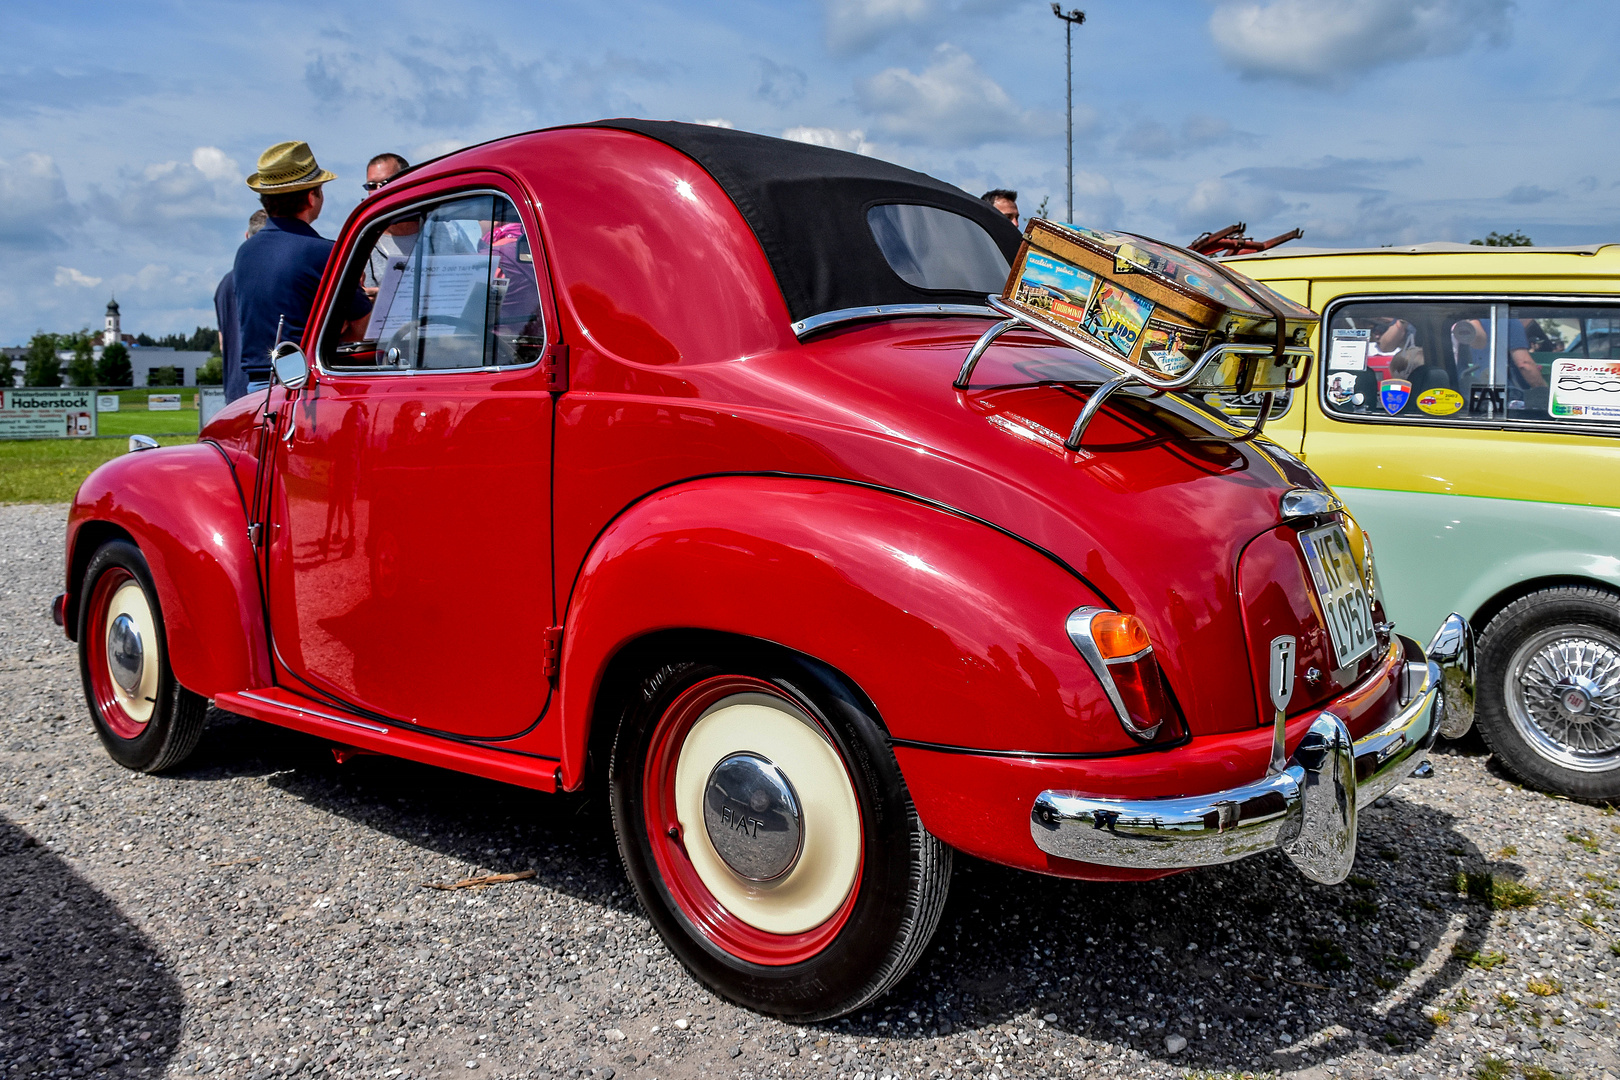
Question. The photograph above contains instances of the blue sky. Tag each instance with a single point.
(126, 129)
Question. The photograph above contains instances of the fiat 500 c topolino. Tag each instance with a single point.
(630, 453)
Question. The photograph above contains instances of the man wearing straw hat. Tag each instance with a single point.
(279, 268)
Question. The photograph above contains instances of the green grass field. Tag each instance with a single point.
(129, 421)
(50, 470)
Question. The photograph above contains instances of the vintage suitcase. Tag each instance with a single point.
(1154, 307)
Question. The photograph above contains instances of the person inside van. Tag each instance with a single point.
(1523, 371)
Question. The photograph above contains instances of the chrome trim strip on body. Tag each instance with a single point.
(349, 721)
(805, 327)
(1308, 809)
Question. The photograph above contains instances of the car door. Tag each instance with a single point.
(409, 563)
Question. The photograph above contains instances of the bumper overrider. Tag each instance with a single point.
(1307, 808)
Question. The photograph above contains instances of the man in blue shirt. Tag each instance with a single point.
(230, 328)
(278, 270)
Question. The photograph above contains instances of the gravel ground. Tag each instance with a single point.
(262, 912)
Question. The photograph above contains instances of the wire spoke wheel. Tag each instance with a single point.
(1549, 690)
(1563, 694)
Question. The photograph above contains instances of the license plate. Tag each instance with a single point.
(1343, 595)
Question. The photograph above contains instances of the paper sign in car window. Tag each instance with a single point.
(1061, 290)
(1117, 317)
(448, 282)
(1585, 389)
(1349, 350)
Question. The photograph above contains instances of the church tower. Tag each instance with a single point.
(111, 334)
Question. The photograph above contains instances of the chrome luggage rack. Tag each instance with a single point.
(1127, 374)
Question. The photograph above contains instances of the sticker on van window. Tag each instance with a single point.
(1487, 399)
(1341, 387)
(1585, 389)
(1441, 401)
(1394, 393)
(1349, 350)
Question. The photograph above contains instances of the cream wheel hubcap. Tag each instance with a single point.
(767, 812)
(132, 660)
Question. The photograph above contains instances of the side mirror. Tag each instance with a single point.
(287, 361)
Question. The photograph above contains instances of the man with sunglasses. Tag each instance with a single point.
(399, 239)
(383, 168)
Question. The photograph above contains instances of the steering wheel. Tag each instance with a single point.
(405, 340)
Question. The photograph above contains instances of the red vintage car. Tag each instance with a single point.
(645, 468)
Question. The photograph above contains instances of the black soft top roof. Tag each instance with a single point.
(807, 206)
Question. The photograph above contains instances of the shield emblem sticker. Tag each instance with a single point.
(1394, 393)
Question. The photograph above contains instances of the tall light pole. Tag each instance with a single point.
(1070, 20)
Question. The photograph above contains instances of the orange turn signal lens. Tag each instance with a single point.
(1118, 635)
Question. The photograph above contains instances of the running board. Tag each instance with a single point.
(276, 705)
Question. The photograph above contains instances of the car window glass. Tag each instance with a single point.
(1416, 360)
(452, 287)
(1563, 363)
(932, 248)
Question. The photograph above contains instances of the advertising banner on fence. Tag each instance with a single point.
(47, 413)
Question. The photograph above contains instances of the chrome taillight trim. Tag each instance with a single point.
(1078, 627)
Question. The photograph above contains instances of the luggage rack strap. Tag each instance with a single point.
(1125, 374)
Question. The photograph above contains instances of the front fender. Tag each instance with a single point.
(180, 505)
(953, 629)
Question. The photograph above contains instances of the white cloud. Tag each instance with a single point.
(1096, 203)
(853, 25)
(853, 140)
(68, 276)
(436, 148)
(718, 122)
(952, 102)
(212, 163)
(1529, 193)
(1333, 42)
(1217, 203)
(33, 203)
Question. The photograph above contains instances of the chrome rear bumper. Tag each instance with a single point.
(1307, 808)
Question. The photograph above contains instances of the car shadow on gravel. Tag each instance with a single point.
(1252, 964)
(1233, 958)
(81, 990)
(566, 839)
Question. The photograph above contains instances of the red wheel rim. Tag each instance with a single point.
(696, 902)
(103, 691)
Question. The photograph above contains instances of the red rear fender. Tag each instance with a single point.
(953, 629)
(181, 507)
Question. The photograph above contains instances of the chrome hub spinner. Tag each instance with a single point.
(752, 816)
(125, 655)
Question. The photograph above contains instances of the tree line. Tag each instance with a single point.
(43, 365)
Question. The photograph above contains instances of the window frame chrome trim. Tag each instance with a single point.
(435, 199)
(1491, 300)
(816, 323)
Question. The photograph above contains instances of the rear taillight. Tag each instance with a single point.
(1120, 653)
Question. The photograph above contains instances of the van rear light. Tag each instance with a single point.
(1120, 653)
